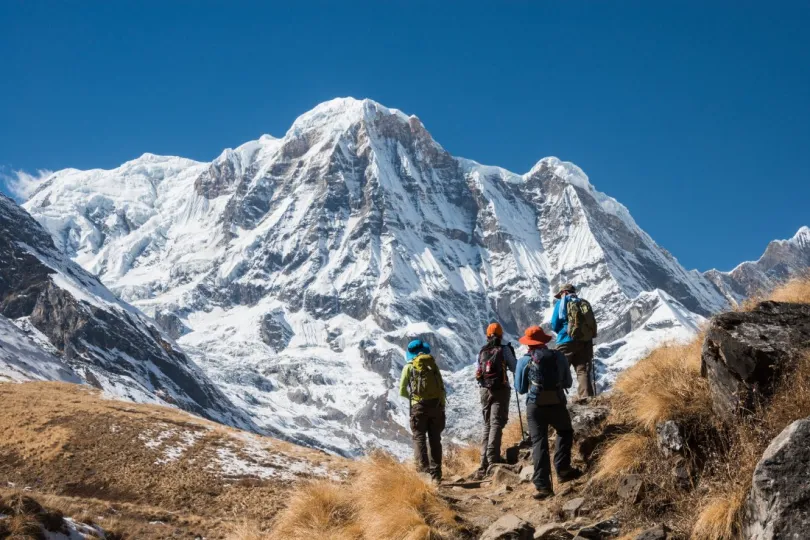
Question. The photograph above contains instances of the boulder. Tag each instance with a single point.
(668, 436)
(779, 503)
(590, 427)
(631, 488)
(660, 532)
(744, 352)
(571, 508)
(552, 531)
(509, 527)
(502, 476)
(526, 474)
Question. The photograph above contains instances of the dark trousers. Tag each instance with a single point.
(539, 418)
(495, 409)
(427, 424)
(580, 355)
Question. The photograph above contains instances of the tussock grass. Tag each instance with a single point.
(628, 453)
(666, 385)
(461, 459)
(719, 518)
(384, 499)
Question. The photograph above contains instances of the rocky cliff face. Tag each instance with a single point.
(68, 326)
(294, 270)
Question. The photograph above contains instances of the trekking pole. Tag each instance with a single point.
(520, 417)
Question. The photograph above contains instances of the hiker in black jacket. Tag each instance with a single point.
(494, 361)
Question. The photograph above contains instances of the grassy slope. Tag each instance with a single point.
(135, 464)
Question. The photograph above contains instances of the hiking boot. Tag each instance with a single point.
(543, 494)
(568, 475)
(480, 474)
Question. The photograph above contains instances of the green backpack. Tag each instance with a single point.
(581, 320)
(426, 381)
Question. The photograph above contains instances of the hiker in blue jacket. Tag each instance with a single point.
(543, 375)
(578, 352)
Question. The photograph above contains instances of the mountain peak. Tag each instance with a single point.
(565, 170)
(340, 113)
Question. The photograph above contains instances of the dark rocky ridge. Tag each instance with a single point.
(104, 339)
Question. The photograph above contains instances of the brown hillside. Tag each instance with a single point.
(150, 471)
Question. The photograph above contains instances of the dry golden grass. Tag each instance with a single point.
(719, 518)
(628, 453)
(461, 459)
(89, 455)
(319, 511)
(796, 291)
(512, 433)
(384, 499)
(666, 385)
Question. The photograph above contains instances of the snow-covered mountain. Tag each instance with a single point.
(58, 322)
(782, 259)
(294, 270)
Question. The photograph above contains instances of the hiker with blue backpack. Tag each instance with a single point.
(495, 360)
(575, 324)
(422, 384)
(544, 375)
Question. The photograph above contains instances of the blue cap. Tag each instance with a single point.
(417, 347)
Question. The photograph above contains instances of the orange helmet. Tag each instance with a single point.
(494, 329)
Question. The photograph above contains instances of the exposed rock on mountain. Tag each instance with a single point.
(779, 503)
(300, 266)
(745, 352)
(78, 329)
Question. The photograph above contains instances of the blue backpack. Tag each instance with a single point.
(542, 370)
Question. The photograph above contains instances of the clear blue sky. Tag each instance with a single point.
(695, 115)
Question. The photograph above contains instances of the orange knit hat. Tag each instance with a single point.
(494, 329)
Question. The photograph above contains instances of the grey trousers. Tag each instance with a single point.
(580, 355)
(427, 424)
(495, 410)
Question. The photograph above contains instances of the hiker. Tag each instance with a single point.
(422, 384)
(494, 361)
(575, 324)
(544, 374)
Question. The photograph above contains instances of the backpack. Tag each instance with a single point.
(581, 320)
(425, 382)
(524, 376)
(491, 372)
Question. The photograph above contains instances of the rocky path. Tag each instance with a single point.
(502, 506)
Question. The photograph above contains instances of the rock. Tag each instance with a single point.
(504, 477)
(604, 529)
(571, 508)
(682, 477)
(509, 527)
(590, 428)
(631, 488)
(552, 531)
(779, 503)
(526, 474)
(525, 454)
(660, 532)
(668, 436)
(744, 352)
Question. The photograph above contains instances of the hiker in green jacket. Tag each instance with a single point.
(422, 384)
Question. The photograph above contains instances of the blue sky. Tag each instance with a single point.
(694, 115)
